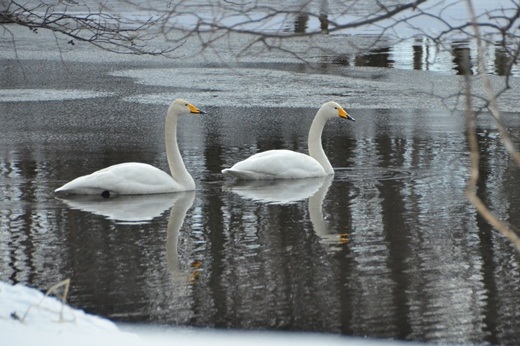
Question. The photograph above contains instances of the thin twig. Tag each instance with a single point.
(471, 191)
(66, 284)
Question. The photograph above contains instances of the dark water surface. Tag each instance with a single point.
(388, 248)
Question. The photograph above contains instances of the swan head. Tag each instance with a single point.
(183, 107)
(333, 109)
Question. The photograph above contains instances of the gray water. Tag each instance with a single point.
(389, 247)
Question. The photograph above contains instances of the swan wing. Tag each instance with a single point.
(131, 178)
(276, 164)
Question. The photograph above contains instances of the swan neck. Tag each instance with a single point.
(177, 168)
(315, 145)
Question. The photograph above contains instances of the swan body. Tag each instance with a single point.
(134, 178)
(277, 164)
(287, 164)
(129, 178)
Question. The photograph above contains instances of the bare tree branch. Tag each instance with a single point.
(471, 191)
(98, 28)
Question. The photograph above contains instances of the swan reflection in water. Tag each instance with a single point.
(140, 210)
(285, 191)
(183, 202)
(278, 191)
(135, 209)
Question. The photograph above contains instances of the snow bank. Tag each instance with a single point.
(28, 317)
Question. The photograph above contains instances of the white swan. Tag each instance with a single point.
(287, 164)
(134, 178)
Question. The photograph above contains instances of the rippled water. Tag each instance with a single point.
(388, 248)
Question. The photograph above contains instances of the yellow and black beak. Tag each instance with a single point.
(195, 110)
(343, 114)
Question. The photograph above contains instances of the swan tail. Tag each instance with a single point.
(86, 185)
(65, 190)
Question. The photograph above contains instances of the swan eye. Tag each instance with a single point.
(186, 105)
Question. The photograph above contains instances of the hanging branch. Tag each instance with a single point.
(81, 24)
(471, 191)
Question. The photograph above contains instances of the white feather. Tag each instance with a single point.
(287, 164)
(134, 178)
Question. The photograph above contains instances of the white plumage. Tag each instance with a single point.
(287, 164)
(277, 164)
(134, 178)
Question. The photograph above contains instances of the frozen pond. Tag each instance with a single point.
(387, 248)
